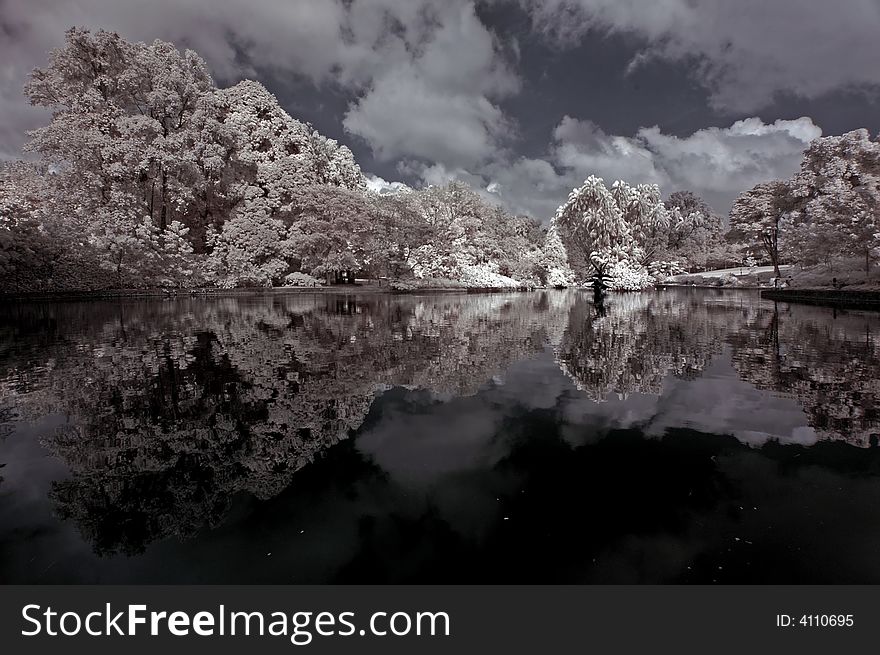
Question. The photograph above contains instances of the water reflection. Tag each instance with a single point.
(166, 414)
(172, 409)
(636, 342)
(828, 361)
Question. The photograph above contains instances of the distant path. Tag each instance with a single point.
(739, 270)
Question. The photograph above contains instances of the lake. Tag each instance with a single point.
(678, 436)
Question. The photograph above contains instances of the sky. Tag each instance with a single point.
(523, 99)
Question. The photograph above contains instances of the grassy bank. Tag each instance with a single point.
(849, 298)
(841, 274)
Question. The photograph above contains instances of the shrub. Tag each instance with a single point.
(661, 271)
(625, 276)
(483, 277)
(300, 280)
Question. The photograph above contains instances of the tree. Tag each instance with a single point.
(134, 140)
(593, 227)
(299, 195)
(838, 194)
(472, 240)
(122, 119)
(161, 178)
(284, 152)
(696, 232)
(327, 225)
(757, 214)
(251, 249)
(28, 243)
(644, 211)
(395, 232)
(554, 260)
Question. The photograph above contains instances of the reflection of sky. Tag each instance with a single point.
(719, 402)
(465, 434)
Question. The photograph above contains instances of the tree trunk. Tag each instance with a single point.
(152, 198)
(775, 254)
(163, 220)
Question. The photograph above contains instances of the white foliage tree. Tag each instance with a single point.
(607, 232)
(838, 194)
(757, 217)
(555, 260)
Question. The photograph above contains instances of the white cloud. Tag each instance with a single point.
(716, 163)
(744, 51)
(583, 146)
(728, 160)
(383, 187)
(438, 104)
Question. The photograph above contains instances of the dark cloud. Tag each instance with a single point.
(745, 52)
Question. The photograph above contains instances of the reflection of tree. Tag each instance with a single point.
(831, 367)
(636, 342)
(175, 407)
(828, 362)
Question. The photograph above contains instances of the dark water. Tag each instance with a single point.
(681, 436)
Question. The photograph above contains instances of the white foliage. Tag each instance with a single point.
(602, 227)
(298, 279)
(628, 276)
(484, 277)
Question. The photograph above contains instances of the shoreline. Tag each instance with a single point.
(854, 298)
(179, 294)
(846, 298)
(681, 285)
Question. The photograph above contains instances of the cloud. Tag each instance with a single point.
(721, 162)
(383, 187)
(438, 104)
(583, 146)
(743, 52)
(716, 163)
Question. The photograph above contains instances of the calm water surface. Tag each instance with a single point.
(676, 436)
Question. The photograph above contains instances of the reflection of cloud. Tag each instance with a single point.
(587, 421)
(419, 449)
(720, 403)
(534, 384)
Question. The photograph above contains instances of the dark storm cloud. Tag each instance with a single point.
(745, 52)
(523, 99)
